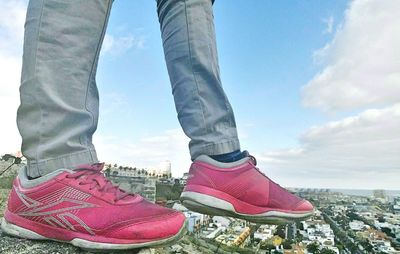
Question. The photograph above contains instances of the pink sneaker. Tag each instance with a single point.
(240, 190)
(83, 208)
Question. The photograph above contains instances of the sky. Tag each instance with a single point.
(315, 87)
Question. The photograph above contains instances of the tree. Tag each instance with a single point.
(326, 251)
(287, 245)
(267, 246)
(107, 171)
(300, 225)
(388, 232)
(280, 231)
(313, 247)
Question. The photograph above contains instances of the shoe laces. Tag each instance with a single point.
(92, 175)
(254, 162)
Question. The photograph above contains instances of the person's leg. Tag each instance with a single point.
(57, 117)
(59, 99)
(204, 111)
(223, 180)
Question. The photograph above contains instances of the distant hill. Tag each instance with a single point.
(168, 192)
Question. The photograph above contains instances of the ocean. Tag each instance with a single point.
(367, 193)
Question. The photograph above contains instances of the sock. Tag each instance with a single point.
(229, 157)
(31, 178)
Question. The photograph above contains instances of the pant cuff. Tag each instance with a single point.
(40, 168)
(216, 148)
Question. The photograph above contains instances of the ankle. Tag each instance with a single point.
(229, 157)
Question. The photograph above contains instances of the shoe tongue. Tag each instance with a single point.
(98, 167)
(251, 157)
(94, 166)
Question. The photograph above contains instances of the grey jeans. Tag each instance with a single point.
(59, 106)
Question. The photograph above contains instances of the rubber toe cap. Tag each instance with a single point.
(304, 206)
(154, 228)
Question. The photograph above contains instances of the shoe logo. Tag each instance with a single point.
(27, 200)
(70, 204)
(57, 208)
(63, 222)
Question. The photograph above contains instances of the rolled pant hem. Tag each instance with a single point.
(43, 167)
(226, 146)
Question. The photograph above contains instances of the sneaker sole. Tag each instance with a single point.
(211, 205)
(17, 231)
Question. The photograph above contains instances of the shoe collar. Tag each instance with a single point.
(207, 159)
(26, 183)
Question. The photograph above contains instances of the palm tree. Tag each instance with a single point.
(107, 171)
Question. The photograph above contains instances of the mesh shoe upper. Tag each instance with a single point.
(84, 201)
(245, 182)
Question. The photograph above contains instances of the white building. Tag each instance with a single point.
(321, 233)
(265, 232)
(164, 168)
(356, 225)
(223, 221)
(194, 219)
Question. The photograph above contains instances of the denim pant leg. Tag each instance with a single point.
(58, 113)
(204, 112)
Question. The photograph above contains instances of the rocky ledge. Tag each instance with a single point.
(13, 245)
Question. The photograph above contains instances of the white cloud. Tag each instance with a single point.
(329, 25)
(117, 45)
(357, 152)
(148, 151)
(362, 62)
(12, 20)
(12, 17)
(361, 72)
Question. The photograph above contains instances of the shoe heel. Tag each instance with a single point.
(206, 204)
(14, 230)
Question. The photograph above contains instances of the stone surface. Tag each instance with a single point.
(12, 171)
(3, 200)
(13, 245)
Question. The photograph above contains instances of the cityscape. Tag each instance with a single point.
(345, 221)
(310, 88)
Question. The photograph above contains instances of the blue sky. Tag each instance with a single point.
(266, 56)
(315, 86)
